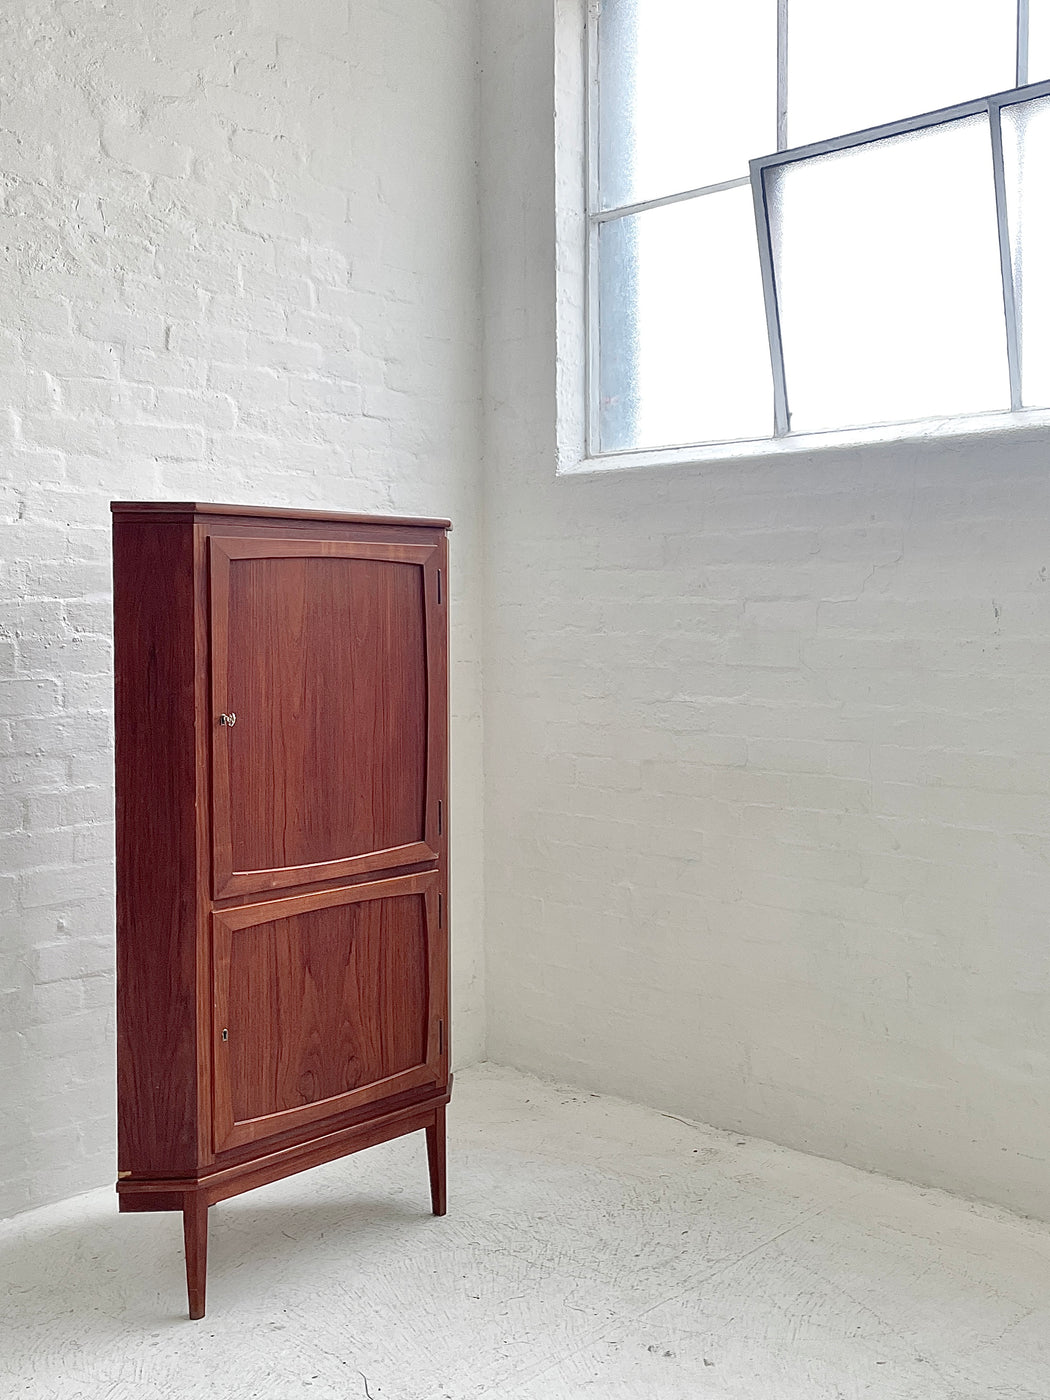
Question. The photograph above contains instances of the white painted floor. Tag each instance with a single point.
(592, 1249)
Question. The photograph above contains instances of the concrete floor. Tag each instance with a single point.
(592, 1249)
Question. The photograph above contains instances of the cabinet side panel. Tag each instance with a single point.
(156, 847)
(438, 741)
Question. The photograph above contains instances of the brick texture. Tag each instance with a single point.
(767, 747)
(238, 262)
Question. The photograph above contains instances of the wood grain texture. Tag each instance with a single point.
(334, 997)
(319, 650)
(272, 1164)
(157, 980)
(347, 1119)
(195, 1239)
(323, 1001)
(136, 1201)
(436, 1161)
(203, 759)
(193, 509)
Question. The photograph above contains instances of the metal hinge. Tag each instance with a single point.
(440, 816)
(439, 587)
(441, 1037)
(440, 912)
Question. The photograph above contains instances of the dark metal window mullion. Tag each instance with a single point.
(986, 106)
(1006, 270)
(782, 75)
(781, 415)
(592, 415)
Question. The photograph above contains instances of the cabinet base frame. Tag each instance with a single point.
(194, 1197)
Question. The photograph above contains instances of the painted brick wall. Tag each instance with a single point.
(768, 754)
(238, 262)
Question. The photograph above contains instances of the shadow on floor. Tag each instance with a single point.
(84, 1264)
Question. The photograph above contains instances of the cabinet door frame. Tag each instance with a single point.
(229, 1132)
(223, 550)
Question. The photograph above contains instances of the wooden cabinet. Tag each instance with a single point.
(282, 837)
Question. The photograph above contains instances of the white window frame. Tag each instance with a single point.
(579, 216)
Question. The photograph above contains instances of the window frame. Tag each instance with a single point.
(782, 437)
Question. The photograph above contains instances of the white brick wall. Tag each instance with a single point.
(238, 261)
(767, 743)
(768, 754)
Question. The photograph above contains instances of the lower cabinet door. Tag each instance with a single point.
(326, 1002)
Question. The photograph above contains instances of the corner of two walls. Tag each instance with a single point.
(239, 263)
(767, 753)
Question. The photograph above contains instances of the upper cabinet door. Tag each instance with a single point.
(328, 709)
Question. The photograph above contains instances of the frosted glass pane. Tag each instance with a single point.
(683, 352)
(887, 268)
(852, 66)
(687, 94)
(1026, 156)
(1038, 41)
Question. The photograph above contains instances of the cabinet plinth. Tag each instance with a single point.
(281, 711)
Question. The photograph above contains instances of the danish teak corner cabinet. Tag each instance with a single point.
(282, 840)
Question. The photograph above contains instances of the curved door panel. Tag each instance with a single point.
(320, 655)
(325, 1002)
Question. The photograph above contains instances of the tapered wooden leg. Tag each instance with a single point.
(195, 1234)
(436, 1160)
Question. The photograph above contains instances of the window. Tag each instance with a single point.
(777, 245)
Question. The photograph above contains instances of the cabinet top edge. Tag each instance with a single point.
(187, 510)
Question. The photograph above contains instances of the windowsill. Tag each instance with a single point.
(974, 426)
